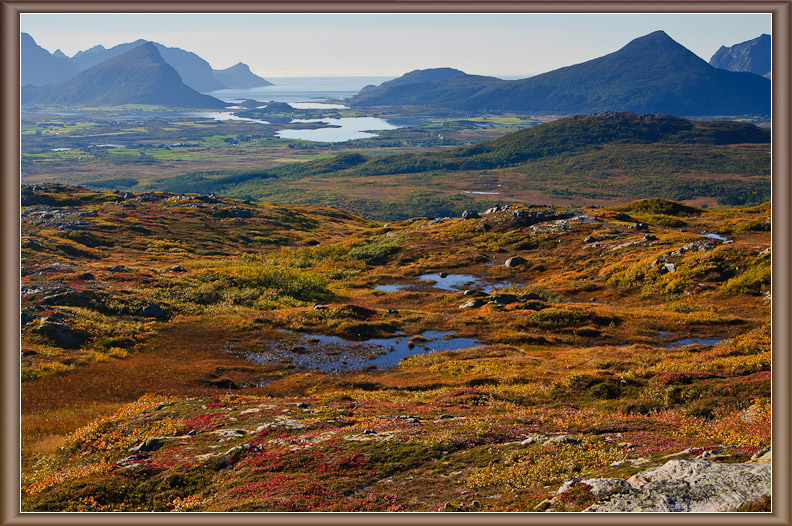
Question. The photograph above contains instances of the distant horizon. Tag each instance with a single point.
(516, 45)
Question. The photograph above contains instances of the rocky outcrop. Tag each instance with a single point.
(682, 485)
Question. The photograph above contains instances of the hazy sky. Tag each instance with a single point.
(392, 44)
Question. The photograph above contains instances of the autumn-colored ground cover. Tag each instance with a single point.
(623, 338)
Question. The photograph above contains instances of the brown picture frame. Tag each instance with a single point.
(781, 263)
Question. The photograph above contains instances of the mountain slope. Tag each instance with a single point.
(651, 74)
(753, 56)
(194, 71)
(139, 76)
(439, 86)
(39, 67)
(571, 135)
(239, 76)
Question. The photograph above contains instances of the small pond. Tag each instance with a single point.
(450, 282)
(692, 341)
(334, 354)
(716, 236)
(460, 282)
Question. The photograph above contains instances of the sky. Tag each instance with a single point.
(283, 45)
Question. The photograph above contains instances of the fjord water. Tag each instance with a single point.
(301, 89)
(312, 93)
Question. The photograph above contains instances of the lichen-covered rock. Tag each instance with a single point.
(599, 487)
(690, 485)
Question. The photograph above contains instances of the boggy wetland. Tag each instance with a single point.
(437, 292)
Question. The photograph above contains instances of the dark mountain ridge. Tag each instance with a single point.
(651, 74)
(753, 56)
(139, 76)
(194, 71)
(39, 67)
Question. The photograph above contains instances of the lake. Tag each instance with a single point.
(343, 129)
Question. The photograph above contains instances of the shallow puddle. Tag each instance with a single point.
(333, 354)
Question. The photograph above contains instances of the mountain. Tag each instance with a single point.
(139, 76)
(39, 67)
(439, 86)
(239, 76)
(753, 56)
(651, 74)
(194, 71)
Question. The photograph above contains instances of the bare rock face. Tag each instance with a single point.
(689, 485)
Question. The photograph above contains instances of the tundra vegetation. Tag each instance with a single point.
(165, 338)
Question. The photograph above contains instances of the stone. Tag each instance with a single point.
(649, 237)
(150, 444)
(153, 310)
(472, 304)
(590, 239)
(230, 433)
(61, 335)
(532, 439)
(119, 268)
(562, 439)
(26, 318)
(640, 227)
(504, 299)
(515, 261)
(444, 416)
(470, 214)
(690, 486)
(764, 456)
(176, 268)
(240, 450)
(599, 487)
(303, 405)
(669, 267)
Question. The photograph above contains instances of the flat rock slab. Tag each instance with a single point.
(690, 485)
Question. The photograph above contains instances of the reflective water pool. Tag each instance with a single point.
(331, 353)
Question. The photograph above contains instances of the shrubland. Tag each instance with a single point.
(161, 336)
